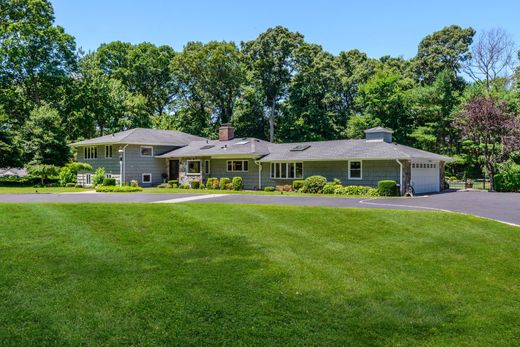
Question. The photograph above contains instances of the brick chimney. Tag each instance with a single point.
(226, 132)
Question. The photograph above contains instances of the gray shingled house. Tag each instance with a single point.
(152, 156)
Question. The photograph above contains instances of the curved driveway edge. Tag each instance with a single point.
(503, 207)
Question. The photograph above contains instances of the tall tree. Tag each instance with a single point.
(447, 49)
(35, 55)
(44, 138)
(8, 149)
(495, 132)
(492, 57)
(271, 60)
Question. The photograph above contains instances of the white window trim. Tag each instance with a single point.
(188, 168)
(109, 151)
(141, 151)
(227, 166)
(92, 150)
(286, 170)
(142, 178)
(360, 169)
(207, 167)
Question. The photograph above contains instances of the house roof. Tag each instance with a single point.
(248, 146)
(379, 130)
(142, 136)
(12, 171)
(346, 149)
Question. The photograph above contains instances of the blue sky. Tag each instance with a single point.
(375, 27)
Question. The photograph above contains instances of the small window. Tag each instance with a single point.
(88, 179)
(146, 151)
(90, 152)
(108, 151)
(354, 172)
(147, 178)
(237, 166)
(194, 167)
(207, 168)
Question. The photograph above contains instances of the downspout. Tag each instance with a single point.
(400, 176)
(122, 180)
(259, 174)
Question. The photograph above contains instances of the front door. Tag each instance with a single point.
(174, 170)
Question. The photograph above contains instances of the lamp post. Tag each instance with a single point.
(120, 166)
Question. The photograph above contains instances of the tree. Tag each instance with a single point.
(447, 49)
(271, 60)
(492, 56)
(494, 131)
(44, 171)
(384, 97)
(34, 54)
(44, 138)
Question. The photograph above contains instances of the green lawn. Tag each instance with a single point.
(31, 190)
(476, 185)
(222, 274)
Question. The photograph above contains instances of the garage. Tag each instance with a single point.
(425, 177)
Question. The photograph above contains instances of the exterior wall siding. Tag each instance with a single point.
(135, 164)
(373, 171)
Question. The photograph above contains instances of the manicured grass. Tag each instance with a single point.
(32, 190)
(222, 274)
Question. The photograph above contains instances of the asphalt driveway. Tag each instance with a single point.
(503, 207)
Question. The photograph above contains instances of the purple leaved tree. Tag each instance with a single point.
(495, 131)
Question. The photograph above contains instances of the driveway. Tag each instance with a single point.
(504, 207)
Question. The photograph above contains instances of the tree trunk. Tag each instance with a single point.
(271, 121)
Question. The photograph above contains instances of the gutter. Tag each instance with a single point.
(123, 171)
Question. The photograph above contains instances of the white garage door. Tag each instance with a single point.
(425, 177)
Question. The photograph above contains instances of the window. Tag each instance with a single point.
(90, 152)
(289, 170)
(355, 170)
(237, 165)
(108, 151)
(147, 178)
(194, 167)
(146, 151)
(88, 179)
(206, 167)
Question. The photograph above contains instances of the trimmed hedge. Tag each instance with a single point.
(507, 182)
(238, 183)
(297, 184)
(117, 189)
(269, 189)
(223, 184)
(314, 184)
(330, 187)
(387, 188)
(172, 182)
(195, 184)
(108, 181)
(27, 181)
(212, 183)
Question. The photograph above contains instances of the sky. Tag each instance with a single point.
(375, 27)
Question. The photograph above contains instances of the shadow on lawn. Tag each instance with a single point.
(174, 287)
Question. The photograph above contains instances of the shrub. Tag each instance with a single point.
(387, 188)
(13, 181)
(66, 176)
(452, 179)
(284, 188)
(237, 183)
(297, 184)
(336, 182)
(70, 185)
(314, 184)
(223, 182)
(229, 186)
(329, 188)
(77, 185)
(164, 185)
(185, 186)
(172, 182)
(373, 192)
(108, 181)
(118, 189)
(195, 184)
(212, 183)
(98, 176)
(174, 185)
(43, 171)
(133, 183)
(269, 189)
(357, 190)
